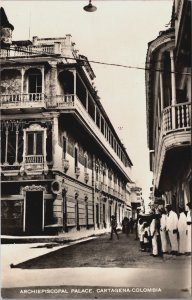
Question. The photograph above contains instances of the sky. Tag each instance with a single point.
(118, 32)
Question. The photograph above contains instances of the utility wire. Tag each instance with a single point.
(97, 62)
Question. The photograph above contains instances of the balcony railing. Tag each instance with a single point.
(72, 102)
(176, 117)
(21, 100)
(34, 159)
(63, 101)
(27, 51)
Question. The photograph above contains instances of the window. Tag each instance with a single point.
(64, 147)
(35, 83)
(35, 143)
(76, 157)
(85, 162)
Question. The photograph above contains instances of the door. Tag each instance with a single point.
(34, 212)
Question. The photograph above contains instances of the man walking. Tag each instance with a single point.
(113, 227)
(172, 228)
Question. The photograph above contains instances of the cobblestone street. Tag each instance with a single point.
(97, 264)
(103, 252)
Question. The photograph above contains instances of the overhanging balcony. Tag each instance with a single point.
(67, 103)
(175, 133)
(22, 101)
(177, 117)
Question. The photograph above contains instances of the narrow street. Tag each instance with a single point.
(100, 263)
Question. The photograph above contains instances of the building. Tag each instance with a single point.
(137, 202)
(168, 94)
(63, 165)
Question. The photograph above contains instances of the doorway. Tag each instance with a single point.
(34, 212)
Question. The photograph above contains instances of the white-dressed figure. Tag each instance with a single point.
(141, 232)
(182, 229)
(172, 228)
(189, 224)
(154, 233)
(163, 234)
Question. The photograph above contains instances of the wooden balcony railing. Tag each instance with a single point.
(176, 117)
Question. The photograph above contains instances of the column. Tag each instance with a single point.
(53, 83)
(87, 100)
(22, 83)
(16, 145)
(95, 113)
(161, 91)
(56, 149)
(173, 88)
(43, 82)
(6, 143)
(75, 82)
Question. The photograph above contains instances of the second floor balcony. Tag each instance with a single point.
(174, 135)
(176, 118)
(15, 101)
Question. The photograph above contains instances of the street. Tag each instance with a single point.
(99, 264)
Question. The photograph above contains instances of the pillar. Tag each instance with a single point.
(56, 149)
(173, 88)
(16, 145)
(6, 143)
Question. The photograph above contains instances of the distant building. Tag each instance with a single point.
(168, 93)
(137, 202)
(63, 165)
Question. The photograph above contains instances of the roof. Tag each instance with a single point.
(4, 20)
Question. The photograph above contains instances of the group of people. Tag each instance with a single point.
(166, 232)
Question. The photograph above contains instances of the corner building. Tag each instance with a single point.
(63, 166)
(168, 91)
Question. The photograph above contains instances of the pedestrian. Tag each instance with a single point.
(163, 233)
(189, 222)
(113, 227)
(131, 225)
(127, 226)
(141, 233)
(154, 233)
(182, 229)
(172, 229)
(146, 237)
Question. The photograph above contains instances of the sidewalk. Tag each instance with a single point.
(30, 247)
(61, 238)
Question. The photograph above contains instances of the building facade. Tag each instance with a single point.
(63, 166)
(137, 201)
(168, 93)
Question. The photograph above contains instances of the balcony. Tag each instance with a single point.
(34, 165)
(175, 133)
(177, 117)
(86, 177)
(77, 171)
(72, 102)
(27, 51)
(19, 101)
(65, 165)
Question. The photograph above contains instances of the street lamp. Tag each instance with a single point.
(90, 7)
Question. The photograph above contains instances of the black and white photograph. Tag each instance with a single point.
(96, 152)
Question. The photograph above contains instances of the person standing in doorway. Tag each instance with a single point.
(113, 227)
(172, 228)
